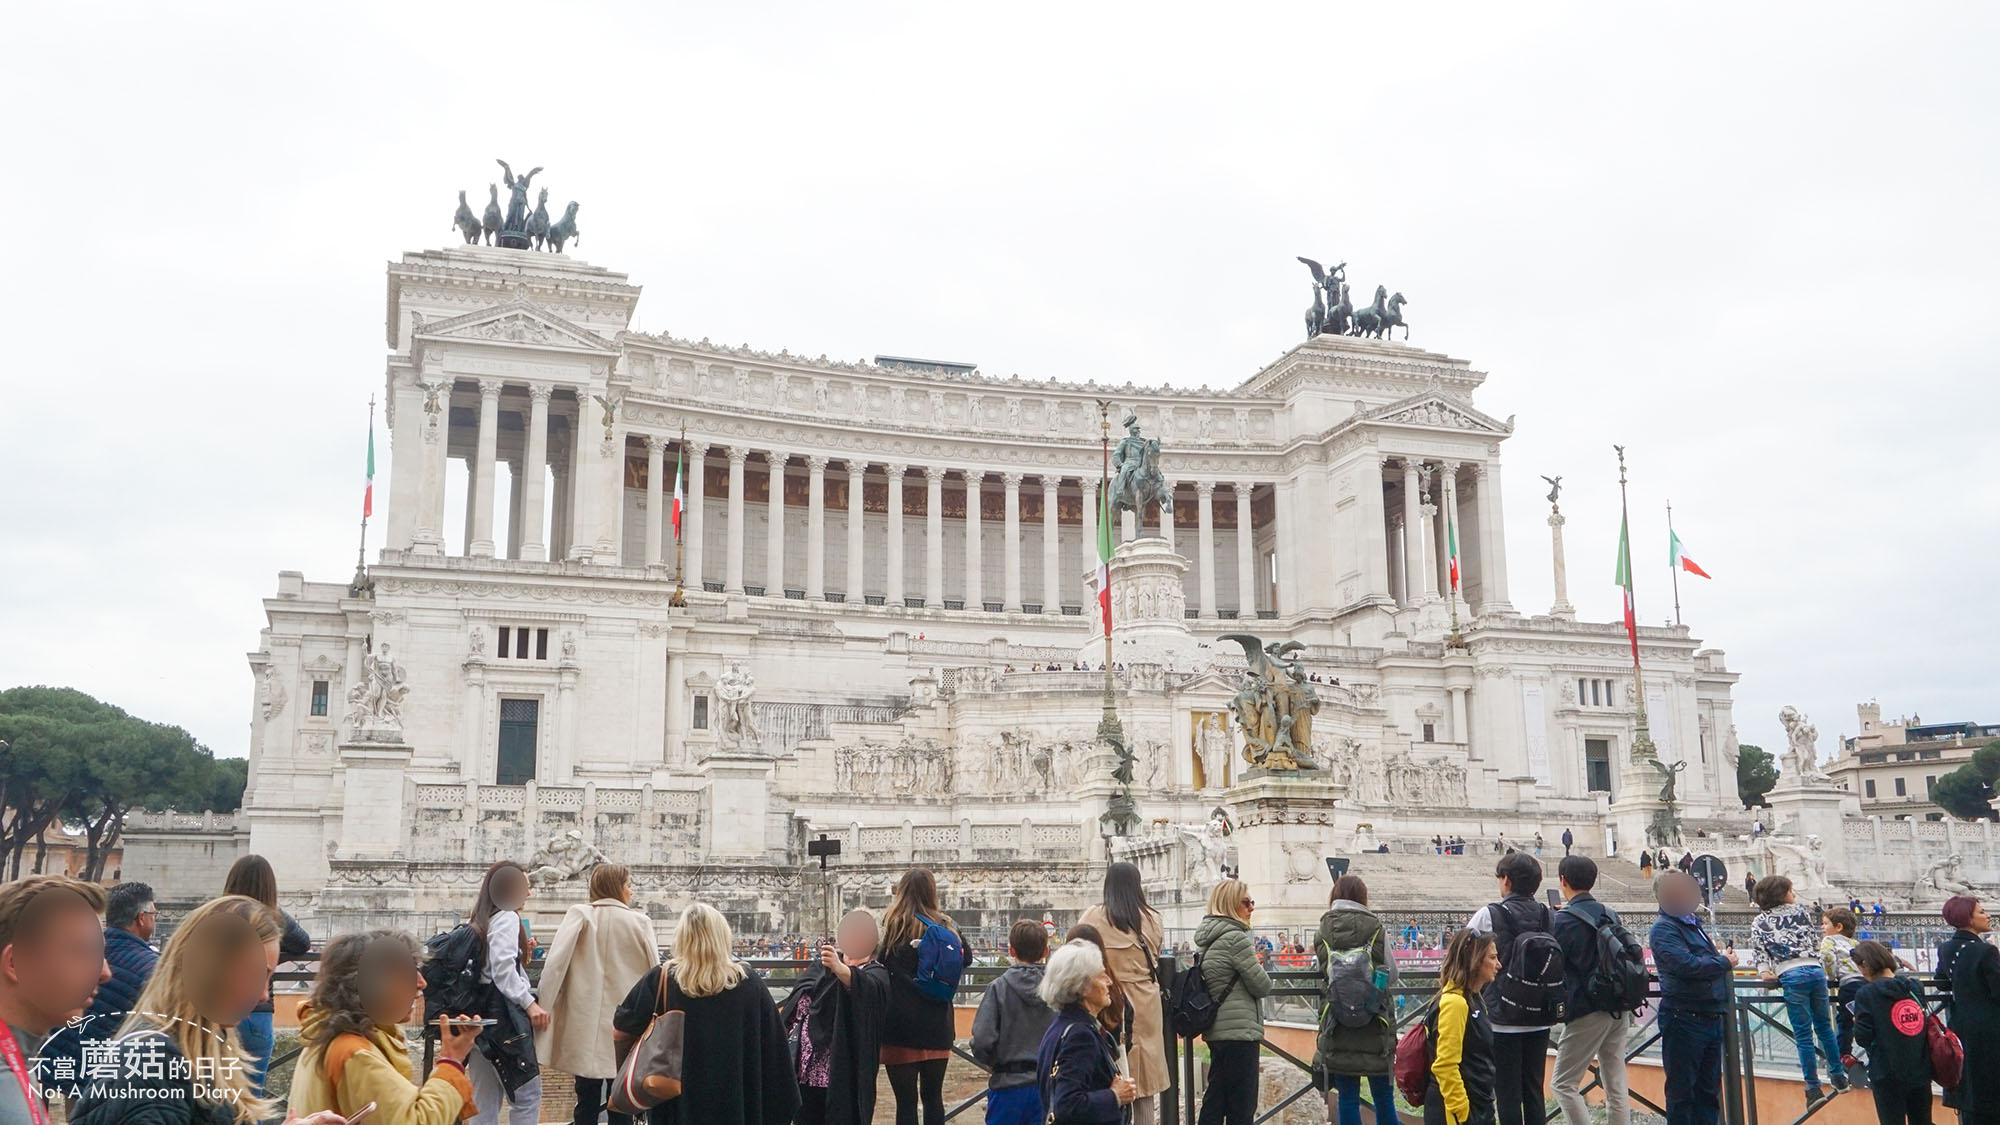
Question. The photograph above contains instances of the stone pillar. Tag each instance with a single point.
(774, 538)
(1167, 512)
(535, 471)
(513, 510)
(934, 537)
(1492, 541)
(559, 511)
(656, 495)
(1398, 592)
(1413, 560)
(733, 564)
(815, 528)
(1204, 497)
(1562, 608)
(1051, 546)
(693, 515)
(1374, 532)
(892, 593)
(611, 490)
(1460, 731)
(1128, 526)
(857, 584)
(1453, 527)
(975, 597)
(1011, 545)
(1087, 548)
(428, 538)
(481, 485)
(1246, 553)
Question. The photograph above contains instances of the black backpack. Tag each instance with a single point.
(453, 961)
(1353, 999)
(1193, 1008)
(1617, 982)
(1529, 990)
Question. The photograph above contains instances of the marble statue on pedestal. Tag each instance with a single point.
(732, 698)
(1135, 471)
(376, 703)
(1275, 705)
(1801, 759)
(563, 858)
(1212, 745)
(1942, 881)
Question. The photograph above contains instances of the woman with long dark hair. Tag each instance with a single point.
(918, 1033)
(1131, 935)
(252, 877)
(1460, 1091)
(496, 914)
(1349, 1053)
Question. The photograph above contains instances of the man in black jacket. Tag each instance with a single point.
(1520, 1053)
(1590, 1033)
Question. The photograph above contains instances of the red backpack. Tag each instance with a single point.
(1413, 1060)
(1947, 1054)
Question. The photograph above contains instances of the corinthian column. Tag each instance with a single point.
(1492, 541)
(482, 476)
(534, 532)
(816, 528)
(1246, 553)
(1012, 543)
(732, 574)
(774, 538)
(693, 516)
(656, 495)
(934, 537)
(893, 550)
(974, 596)
(1413, 559)
(857, 584)
(1051, 546)
(1204, 497)
(1086, 556)
(1562, 608)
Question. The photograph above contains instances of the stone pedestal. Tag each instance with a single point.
(736, 805)
(1284, 831)
(1148, 610)
(1808, 817)
(374, 820)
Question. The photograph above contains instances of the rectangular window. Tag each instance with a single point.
(1901, 789)
(1930, 786)
(521, 644)
(1595, 698)
(541, 644)
(519, 722)
(319, 698)
(1597, 764)
(1582, 691)
(701, 712)
(1868, 788)
(502, 654)
(1430, 732)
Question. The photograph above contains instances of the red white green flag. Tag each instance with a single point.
(1451, 538)
(1677, 556)
(368, 494)
(1104, 556)
(677, 494)
(1624, 579)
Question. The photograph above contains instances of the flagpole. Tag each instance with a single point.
(678, 600)
(1103, 514)
(1642, 738)
(1673, 566)
(363, 586)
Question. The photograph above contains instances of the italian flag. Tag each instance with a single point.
(677, 494)
(368, 494)
(1451, 540)
(1104, 555)
(1624, 579)
(1677, 558)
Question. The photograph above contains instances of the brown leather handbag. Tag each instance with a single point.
(651, 1072)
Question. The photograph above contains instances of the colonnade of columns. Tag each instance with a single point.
(1430, 490)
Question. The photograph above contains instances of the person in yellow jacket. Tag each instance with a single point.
(1461, 1084)
(354, 1052)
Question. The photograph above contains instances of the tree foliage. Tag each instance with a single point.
(1967, 792)
(72, 759)
(1756, 773)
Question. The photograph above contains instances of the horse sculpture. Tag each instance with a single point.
(1316, 316)
(1325, 284)
(1381, 318)
(1340, 318)
(538, 223)
(466, 222)
(564, 229)
(492, 223)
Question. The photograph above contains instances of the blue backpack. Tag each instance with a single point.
(940, 962)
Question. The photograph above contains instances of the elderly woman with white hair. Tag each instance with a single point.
(1077, 1067)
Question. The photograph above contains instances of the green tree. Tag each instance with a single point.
(1756, 773)
(228, 778)
(1965, 794)
(73, 758)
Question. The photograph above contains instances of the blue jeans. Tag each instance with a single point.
(255, 1031)
(1805, 1000)
(1691, 1060)
(1015, 1105)
(1347, 1091)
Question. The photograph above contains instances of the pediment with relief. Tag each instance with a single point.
(1438, 409)
(517, 322)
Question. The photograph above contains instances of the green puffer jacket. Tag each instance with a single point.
(1354, 1050)
(1227, 955)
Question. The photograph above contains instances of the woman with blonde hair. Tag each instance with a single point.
(917, 1036)
(353, 1050)
(178, 1057)
(600, 949)
(736, 1068)
(1237, 980)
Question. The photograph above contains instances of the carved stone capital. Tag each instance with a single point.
(737, 456)
(1012, 480)
(656, 444)
(777, 459)
(934, 474)
(1410, 467)
(816, 464)
(1243, 489)
(1479, 470)
(539, 393)
(696, 450)
(490, 388)
(1050, 486)
(973, 479)
(1204, 489)
(895, 471)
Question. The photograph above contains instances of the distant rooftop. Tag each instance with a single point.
(909, 363)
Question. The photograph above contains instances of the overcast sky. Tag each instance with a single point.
(1755, 244)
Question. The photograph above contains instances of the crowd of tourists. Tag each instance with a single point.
(111, 1031)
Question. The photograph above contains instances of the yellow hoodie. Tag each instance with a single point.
(378, 1072)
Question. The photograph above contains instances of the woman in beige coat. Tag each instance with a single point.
(601, 948)
(1132, 935)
